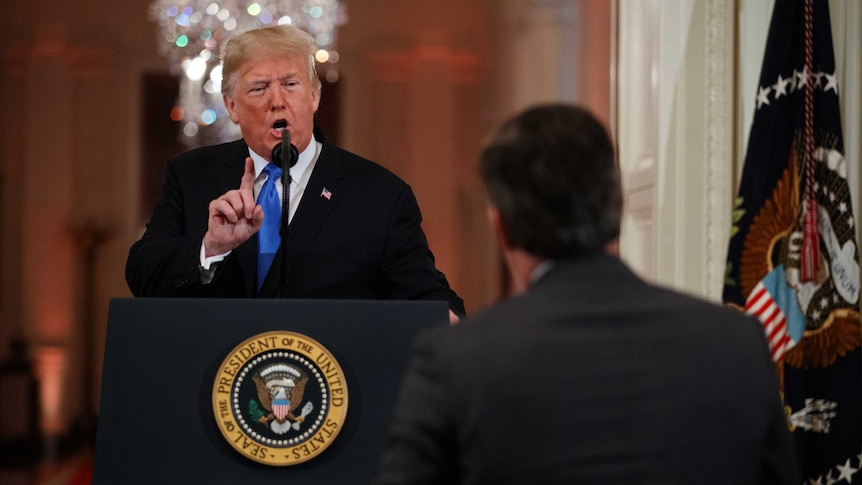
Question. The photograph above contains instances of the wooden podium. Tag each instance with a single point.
(156, 418)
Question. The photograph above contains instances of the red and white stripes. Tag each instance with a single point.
(761, 305)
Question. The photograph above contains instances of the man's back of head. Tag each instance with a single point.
(552, 175)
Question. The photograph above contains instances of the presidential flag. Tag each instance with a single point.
(792, 260)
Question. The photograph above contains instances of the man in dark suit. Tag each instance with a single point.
(590, 375)
(354, 227)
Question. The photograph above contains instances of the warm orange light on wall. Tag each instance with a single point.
(50, 369)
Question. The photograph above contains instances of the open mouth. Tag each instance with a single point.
(279, 125)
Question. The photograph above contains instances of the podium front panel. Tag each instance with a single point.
(156, 422)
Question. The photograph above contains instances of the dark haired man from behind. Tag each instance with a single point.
(589, 374)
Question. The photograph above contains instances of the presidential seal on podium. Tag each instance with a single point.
(280, 398)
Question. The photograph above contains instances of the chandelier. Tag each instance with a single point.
(191, 33)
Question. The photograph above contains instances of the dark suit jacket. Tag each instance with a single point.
(592, 376)
(363, 242)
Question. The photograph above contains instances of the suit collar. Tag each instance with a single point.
(590, 271)
(322, 194)
(314, 207)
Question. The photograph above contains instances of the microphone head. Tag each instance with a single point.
(285, 158)
(276, 154)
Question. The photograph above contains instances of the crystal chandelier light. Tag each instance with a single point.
(191, 33)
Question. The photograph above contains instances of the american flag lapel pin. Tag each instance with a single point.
(326, 193)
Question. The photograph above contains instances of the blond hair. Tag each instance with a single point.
(278, 40)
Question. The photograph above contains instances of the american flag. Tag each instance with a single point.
(763, 306)
(326, 193)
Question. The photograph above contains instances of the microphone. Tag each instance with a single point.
(285, 155)
(285, 158)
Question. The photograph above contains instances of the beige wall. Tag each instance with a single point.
(70, 86)
(422, 84)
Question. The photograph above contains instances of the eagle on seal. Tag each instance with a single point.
(280, 388)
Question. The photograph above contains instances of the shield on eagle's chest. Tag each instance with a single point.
(280, 408)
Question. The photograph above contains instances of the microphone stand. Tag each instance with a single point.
(284, 154)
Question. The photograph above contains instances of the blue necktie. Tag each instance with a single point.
(268, 238)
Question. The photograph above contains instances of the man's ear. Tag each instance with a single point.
(519, 262)
(498, 227)
(230, 104)
(315, 99)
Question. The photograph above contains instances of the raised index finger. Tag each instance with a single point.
(246, 188)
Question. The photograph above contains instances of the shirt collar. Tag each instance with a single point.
(540, 271)
(302, 162)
